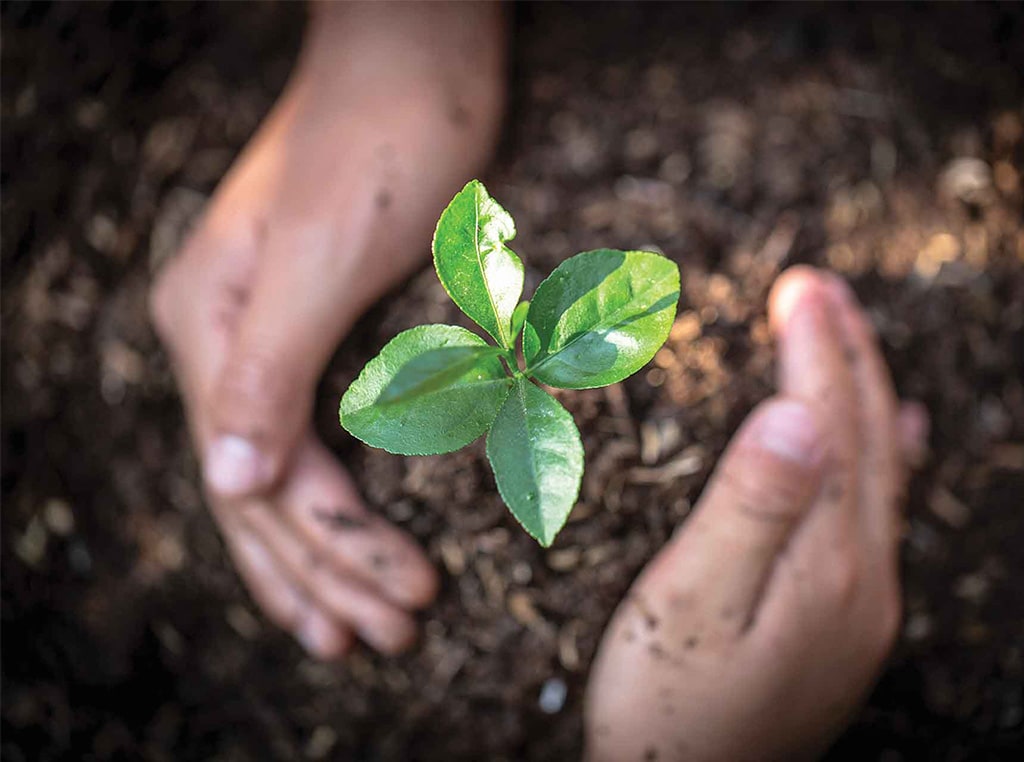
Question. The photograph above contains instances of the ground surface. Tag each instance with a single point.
(886, 143)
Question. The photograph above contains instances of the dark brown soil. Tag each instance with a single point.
(886, 142)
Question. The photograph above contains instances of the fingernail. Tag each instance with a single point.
(796, 294)
(233, 466)
(314, 636)
(788, 429)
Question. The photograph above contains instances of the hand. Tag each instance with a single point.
(330, 204)
(758, 630)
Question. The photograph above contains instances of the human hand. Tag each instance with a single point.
(330, 205)
(302, 541)
(758, 630)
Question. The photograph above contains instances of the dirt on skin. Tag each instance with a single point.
(884, 142)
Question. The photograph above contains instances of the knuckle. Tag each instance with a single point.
(761, 496)
(261, 381)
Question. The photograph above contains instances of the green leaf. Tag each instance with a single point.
(518, 319)
(537, 457)
(482, 275)
(600, 317)
(432, 389)
(434, 370)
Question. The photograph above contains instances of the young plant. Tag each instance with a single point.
(598, 318)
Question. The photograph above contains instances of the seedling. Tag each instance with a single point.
(597, 319)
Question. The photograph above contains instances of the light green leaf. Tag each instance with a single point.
(432, 389)
(518, 318)
(482, 275)
(535, 451)
(600, 317)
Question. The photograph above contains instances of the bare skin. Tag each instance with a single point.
(758, 630)
(390, 110)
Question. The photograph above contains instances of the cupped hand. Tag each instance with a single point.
(757, 631)
(318, 563)
(330, 205)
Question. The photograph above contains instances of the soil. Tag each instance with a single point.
(886, 142)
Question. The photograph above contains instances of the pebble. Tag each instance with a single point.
(967, 179)
(31, 546)
(171, 552)
(58, 517)
(523, 611)
(321, 742)
(972, 587)
(675, 169)
(918, 627)
(924, 540)
(687, 327)
(949, 508)
(552, 695)
(657, 438)
(80, 558)
(940, 249)
(641, 144)
(452, 555)
(242, 622)
(568, 649)
(599, 554)
(1012, 714)
(564, 560)
(522, 573)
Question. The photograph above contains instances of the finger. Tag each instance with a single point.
(279, 597)
(881, 472)
(759, 493)
(380, 624)
(323, 636)
(280, 600)
(323, 507)
(301, 301)
(812, 365)
(195, 305)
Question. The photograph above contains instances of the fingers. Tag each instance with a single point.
(322, 636)
(760, 491)
(282, 602)
(881, 472)
(842, 560)
(350, 570)
(321, 505)
(381, 624)
(197, 305)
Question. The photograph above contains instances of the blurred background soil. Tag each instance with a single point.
(885, 142)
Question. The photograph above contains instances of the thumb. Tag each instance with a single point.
(761, 490)
(260, 405)
(262, 400)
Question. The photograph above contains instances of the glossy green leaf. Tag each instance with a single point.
(433, 371)
(600, 317)
(537, 457)
(518, 319)
(480, 273)
(432, 389)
